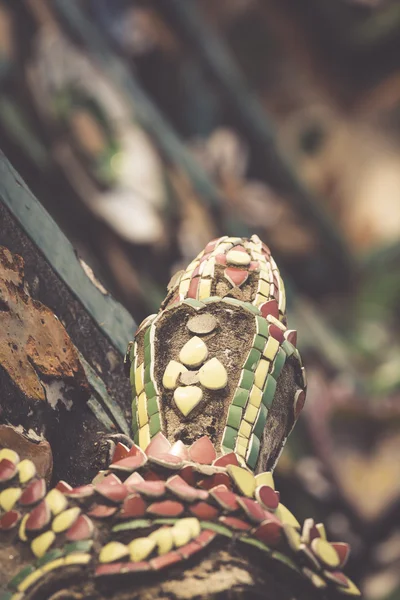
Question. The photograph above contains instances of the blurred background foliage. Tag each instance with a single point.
(147, 128)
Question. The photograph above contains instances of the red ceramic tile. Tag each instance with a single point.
(235, 276)
(9, 520)
(291, 336)
(300, 399)
(165, 560)
(265, 250)
(210, 246)
(189, 475)
(226, 459)
(204, 511)
(235, 523)
(202, 451)
(226, 499)
(132, 567)
(7, 470)
(151, 475)
(343, 550)
(239, 248)
(276, 333)
(39, 517)
(269, 532)
(254, 266)
(133, 506)
(253, 510)
(34, 492)
(270, 308)
(167, 460)
(116, 492)
(189, 549)
(129, 463)
(196, 272)
(63, 486)
(158, 445)
(206, 537)
(194, 284)
(166, 508)
(120, 452)
(184, 491)
(101, 511)
(82, 529)
(337, 577)
(179, 449)
(215, 480)
(267, 497)
(109, 569)
(111, 479)
(83, 491)
(153, 489)
(133, 478)
(220, 259)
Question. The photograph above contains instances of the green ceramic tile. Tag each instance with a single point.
(234, 416)
(211, 299)
(147, 373)
(82, 546)
(49, 556)
(23, 574)
(250, 307)
(262, 326)
(229, 438)
(253, 359)
(132, 378)
(152, 406)
(240, 398)
(269, 391)
(216, 527)
(135, 424)
(136, 437)
(147, 355)
(246, 379)
(193, 302)
(6, 595)
(155, 424)
(259, 342)
(233, 301)
(256, 543)
(260, 421)
(288, 348)
(253, 452)
(279, 363)
(150, 389)
(147, 336)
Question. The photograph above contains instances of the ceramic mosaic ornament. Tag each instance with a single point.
(217, 386)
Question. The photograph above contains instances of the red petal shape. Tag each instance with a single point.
(291, 336)
(276, 333)
(215, 480)
(269, 532)
(206, 537)
(129, 463)
(194, 284)
(167, 460)
(235, 523)
(82, 529)
(189, 475)
(202, 451)
(204, 511)
(226, 499)
(179, 449)
(134, 506)
(226, 459)
(158, 445)
(132, 479)
(189, 549)
(253, 510)
(343, 550)
(166, 508)
(220, 259)
(154, 489)
(270, 308)
(63, 486)
(120, 452)
(267, 497)
(254, 265)
(83, 491)
(39, 517)
(165, 560)
(7, 470)
(33, 493)
(235, 276)
(101, 511)
(9, 520)
(116, 492)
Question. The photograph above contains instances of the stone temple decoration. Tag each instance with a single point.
(217, 386)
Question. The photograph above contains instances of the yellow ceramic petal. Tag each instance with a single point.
(65, 519)
(265, 478)
(208, 270)
(193, 524)
(181, 533)
(113, 551)
(204, 289)
(144, 436)
(9, 455)
(293, 537)
(351, 589)
(263, 287)
(235, 257)
(255, 397)
(325, 552)
(194, 352)
(30, 580)
(56, 501)
(171, 374)
(140, 548)
(321, 529)
(26, 469)
(142, 410)
(275, 321)
(9, 497)
(261, 373)
(285, 516)
(251, 413)
(243, 479)
(213, 375)
(187, 398)
(245, 429)
(184, 287)
(42, 543)
(54, 564)
(139, 379)
(77, 558)
(241, 450)
(271, 348)
(164, 539)
(21, 530)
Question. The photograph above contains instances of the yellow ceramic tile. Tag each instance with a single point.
(243, 479)
(263, 287)
(272, 319)
(245, 429)
(235, 257)
(113, 551)
(142, 410)
(286, 516)
(21, 530)
(213, 375)
(209, 266)
(9, 455)
(187, 398)
(204, 289)
(171, 374)
(140, 548)
(66, 519)
(26, 469)
(144, 436)
(251, 413)
(265, 478)
(164, 539)
(261, 373)
(30, 580)
(77, 558)
(56, 501)
(241, 451)
(54, 564)
(184, 287)
(350, 590)
(260, 299)
(194, 352)
(139, 379)
(325, 552)
(184, 530)
(42, 543)
(271, 348)
(255, 397)
(321, 529)
(9, 497)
